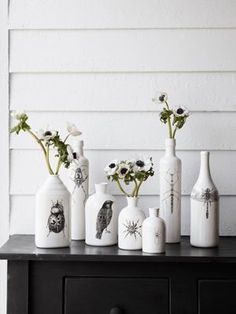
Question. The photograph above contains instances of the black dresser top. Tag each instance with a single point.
(22, 247)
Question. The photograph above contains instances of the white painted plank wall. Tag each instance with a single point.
(98, 63)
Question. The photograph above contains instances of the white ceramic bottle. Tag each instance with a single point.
(101, 217)
(52, 217)
(170, 192)
(79, 174)
(130, 226)
(204, 226)
(154, 233)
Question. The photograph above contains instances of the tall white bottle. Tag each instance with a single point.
(204, 230)
(170, 192)
(79, 173)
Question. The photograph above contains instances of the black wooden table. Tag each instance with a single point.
(96, 280)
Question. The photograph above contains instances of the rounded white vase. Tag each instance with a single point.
(79, 174)
(101, 216)
(52, 216)
(170, 192)
(204, 218)
(154, 233)
(130, 226)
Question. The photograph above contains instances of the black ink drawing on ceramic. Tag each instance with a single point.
(132, 229)
(56, 220)
(171, 195)
(207, 196)
(104, 218)
(80, 176)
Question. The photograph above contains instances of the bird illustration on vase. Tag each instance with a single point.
(104, 218)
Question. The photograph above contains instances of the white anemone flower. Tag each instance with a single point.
(181, 111)
(18, 115)
(160, 97)
(111, 168)
(47, 134)
(143, 164)
(73, 130)
(123, 169)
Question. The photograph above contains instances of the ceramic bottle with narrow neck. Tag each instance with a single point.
(79, 173)
(101, 217)
(130, 226)
(170, 192)
(154, 234)
(204, 226)
(52, 216)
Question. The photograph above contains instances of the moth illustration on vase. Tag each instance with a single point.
(56, 220)
(104, 218)
(132, 229)
(207, 196)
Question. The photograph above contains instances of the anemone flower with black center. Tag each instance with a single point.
(160, 97)
(143, 164)
(111, 168)
(123, 169)
(47, 134)
(181, 111)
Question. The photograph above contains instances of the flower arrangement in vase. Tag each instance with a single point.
(135, 173)
(170, 168)
(52, 217)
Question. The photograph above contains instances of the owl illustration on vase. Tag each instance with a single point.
(104, 218)
(56, 220)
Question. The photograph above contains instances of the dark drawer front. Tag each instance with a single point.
(217, 296)
(130, 295)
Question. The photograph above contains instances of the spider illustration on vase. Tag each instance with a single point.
(56, 220)
(80, 176)
(132, 229)
(171, 195)
(207, 196)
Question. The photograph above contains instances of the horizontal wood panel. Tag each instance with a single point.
(121, 13)
(122, 50)
(22, 213)
(137, 130)
(122, 92)
(223, 168)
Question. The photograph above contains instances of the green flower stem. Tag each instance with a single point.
(122, 190)
(48, 160)
(169, 121)
(58, 166)
(174, 131)
(135, 188)
(44, 150)
(138, 188)
(67, 137)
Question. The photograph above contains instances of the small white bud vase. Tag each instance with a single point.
(101, 217)
(79, 174)
(52, 217)
(170, 192)
(130, 226)
(154, 233)
(204, 226)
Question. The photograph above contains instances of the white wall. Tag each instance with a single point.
(98, 64)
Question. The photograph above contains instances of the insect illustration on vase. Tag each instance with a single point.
(207, 196)
(171, 195)
(157, 236)
(56, 219)
(80, 176)
(132, 229)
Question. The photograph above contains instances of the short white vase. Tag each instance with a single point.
(204, 221)
(101, 218)
(79, 174)
(130, 226)
(52, 217)
(170, 192)
(154, 233)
